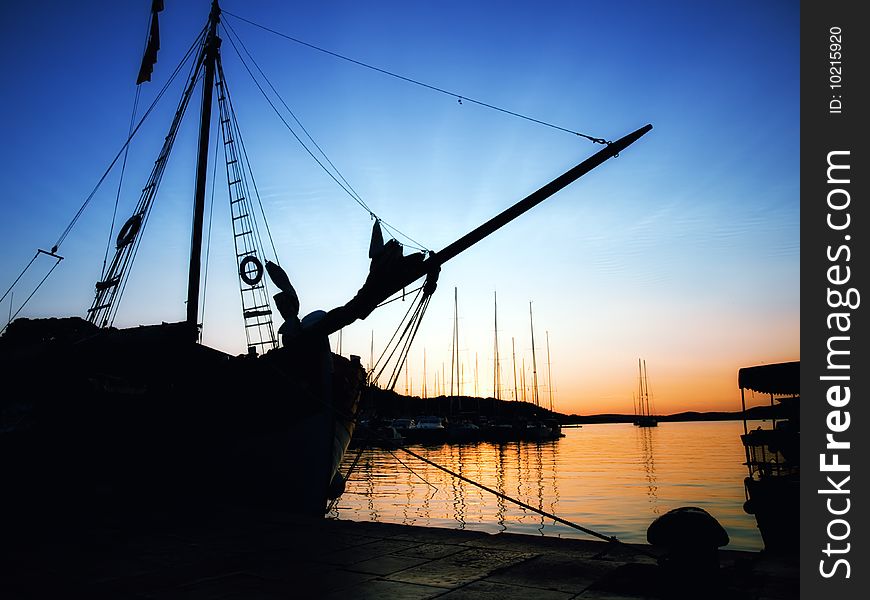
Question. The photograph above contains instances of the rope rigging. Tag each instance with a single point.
(332, 171)
(250, 172)
(194, 46)
(351, 191)
(115, 278)
(457, 96)
(197, 42)
(248, 242)
(208, 234)
(121, 180)
(57, 258)
(397, 349)
(111, 290)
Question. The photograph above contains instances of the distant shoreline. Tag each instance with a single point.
(755, 413)
(389, 404)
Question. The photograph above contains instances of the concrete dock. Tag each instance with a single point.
(260, 554)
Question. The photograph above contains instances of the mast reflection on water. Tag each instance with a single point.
(614, 478)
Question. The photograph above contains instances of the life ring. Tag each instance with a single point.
(128, 231)
(254, 277)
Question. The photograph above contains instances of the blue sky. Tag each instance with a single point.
(684, 250)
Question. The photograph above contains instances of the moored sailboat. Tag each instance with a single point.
(643, 416)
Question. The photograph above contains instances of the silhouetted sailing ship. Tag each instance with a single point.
(149, 415)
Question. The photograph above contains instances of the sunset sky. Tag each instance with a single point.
(683, 251)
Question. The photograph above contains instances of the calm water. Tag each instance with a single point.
(614, 478)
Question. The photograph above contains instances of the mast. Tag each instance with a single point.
(476, 392)
(523, 373)
(424, 373)
(514, 355)
(453, 356)
(549, 372)
(496, 382)
(454, 353)
(534, 362)
(646, 388)
(209, 59)
(640, 388)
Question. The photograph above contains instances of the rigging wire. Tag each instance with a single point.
(287, 125)
(411, 307)
(237, 132)
(295, 118)
(160, 94)
(400, 296)
(126, 152)
(414, 473)
(208, 234)
(39, 285)
(20, 275)
(121, 180)
(131, 258)
(348, 188)
(406, 339)
(247, 238)
(339, 179)
(412, 328)
(459, 97)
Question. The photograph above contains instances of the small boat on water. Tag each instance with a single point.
(464, 430)
(428, 429)
(773, 455)
(378, 433)
(149, 415)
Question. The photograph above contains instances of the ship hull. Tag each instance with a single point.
(146, 418)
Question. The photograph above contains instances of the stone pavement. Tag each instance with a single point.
(258, 554)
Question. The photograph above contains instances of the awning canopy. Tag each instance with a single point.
(778, 378)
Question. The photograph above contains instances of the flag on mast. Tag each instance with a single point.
(150, 57)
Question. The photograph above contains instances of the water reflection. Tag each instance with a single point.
(645, 437)
(500, 478)
(615, 479)
(458, 492)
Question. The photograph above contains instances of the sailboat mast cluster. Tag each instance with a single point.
(643, 415)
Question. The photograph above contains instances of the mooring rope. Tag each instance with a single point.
(586, 530)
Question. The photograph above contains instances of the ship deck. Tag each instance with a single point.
(259, 554)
